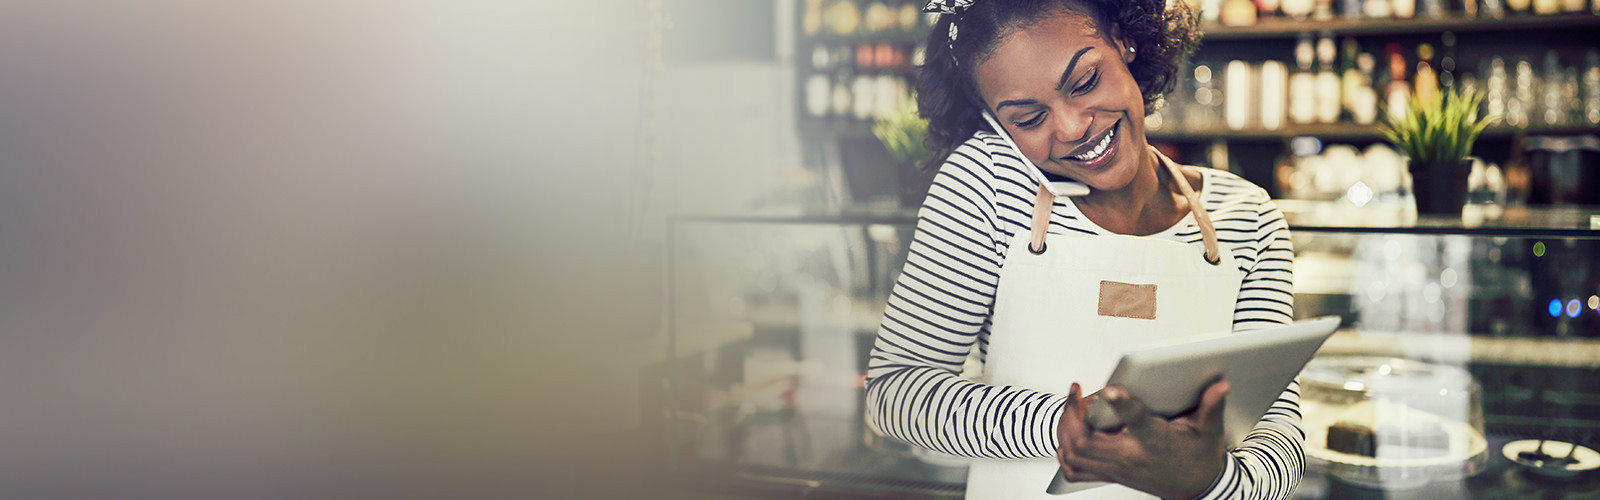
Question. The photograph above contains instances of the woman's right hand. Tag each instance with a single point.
(1177, 459)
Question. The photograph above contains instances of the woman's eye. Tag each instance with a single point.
(1087, 85)
(1032, 121)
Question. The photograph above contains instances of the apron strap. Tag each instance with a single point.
(1044, 202)
(1208, 232)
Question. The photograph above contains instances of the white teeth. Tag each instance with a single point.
(1099, 149)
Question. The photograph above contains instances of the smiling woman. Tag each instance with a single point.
(948, 93)
(1022, 94)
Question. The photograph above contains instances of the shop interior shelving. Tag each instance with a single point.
(1288, 28)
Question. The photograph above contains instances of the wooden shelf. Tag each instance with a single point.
(1289, 28)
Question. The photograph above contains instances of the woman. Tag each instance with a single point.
(1050, 281)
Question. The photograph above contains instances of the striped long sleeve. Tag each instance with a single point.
(940, 308)
(938, 313)
(1271, 460)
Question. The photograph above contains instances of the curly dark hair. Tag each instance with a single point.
(947, 93)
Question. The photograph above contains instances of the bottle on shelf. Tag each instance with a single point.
(1298, 10)
(1211, 11)
(1571, 92)
(878, 18)
(1494, 9)
(910, 14)
(1497, 83)
(1238, 13)
(840, 98)
(1323, 10)
(1378, 9)
(1350, 9)
(1397, 91)
(1591, 88)
(1433, 9)
(1404, 9)
(1351, 79)
(1274, 94)
(1447, 60)
(1427, 80)
(1364, 103)
(1267, 8)
(1546, 7)
(863, 89)
(811, 19)
(1237, 103)
(1328, 95)
(819, 95)
(1519, 107)
(890, 91)
(843, 17)
(1204, 113)
(1553, 112)
(1518, 6)
(1303, 83)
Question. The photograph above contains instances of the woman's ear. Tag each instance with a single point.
(1124, 45)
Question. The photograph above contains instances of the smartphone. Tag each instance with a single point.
(1059, 188)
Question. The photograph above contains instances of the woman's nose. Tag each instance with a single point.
(1072, 125)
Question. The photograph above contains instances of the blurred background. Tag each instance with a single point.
(618, 248)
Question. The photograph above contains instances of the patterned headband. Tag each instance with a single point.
(952, 8)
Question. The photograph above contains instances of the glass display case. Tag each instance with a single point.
(1488, 325)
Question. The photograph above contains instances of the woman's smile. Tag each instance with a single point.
(1095, 154)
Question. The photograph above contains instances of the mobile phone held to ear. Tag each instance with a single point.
(1059, 188)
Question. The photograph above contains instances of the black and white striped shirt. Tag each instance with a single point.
(940, 310)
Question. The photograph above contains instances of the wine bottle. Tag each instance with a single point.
(1237, 103)
(1274, 94)
(1404, 9)
(1303, 83)
(1327, 81)
(1427, 81)
(1398, 91)
(1238, 13)
(1364, 102)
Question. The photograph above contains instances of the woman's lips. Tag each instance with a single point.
(1105, 158)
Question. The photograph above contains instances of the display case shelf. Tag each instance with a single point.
(773, 316)
(1276, 28)
(1347, 132)
(1312, 216)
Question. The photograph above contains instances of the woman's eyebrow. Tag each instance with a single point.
(1063, 83)
(1071, 64)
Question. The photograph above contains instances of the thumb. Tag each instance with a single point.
(1213, 404)
(1130, 412)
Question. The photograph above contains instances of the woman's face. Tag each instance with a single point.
(1064, 93)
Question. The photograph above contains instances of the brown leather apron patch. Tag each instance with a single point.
(1125, 300)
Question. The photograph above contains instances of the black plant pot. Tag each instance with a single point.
(1440, 187)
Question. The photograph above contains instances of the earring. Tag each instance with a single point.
(1131, 53)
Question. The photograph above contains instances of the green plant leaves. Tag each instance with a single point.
(903, 133)
(1441, 128)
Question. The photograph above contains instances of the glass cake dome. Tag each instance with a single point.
(1392, 423)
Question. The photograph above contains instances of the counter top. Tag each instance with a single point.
(1315, 216)
(1499, 480)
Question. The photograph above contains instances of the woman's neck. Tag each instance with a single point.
(1147, 205)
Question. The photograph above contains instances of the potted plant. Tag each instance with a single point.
(903, 132)
(1437, 133)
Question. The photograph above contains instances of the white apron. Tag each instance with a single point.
(1050, 326)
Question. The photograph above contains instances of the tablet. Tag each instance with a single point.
(1259, 364)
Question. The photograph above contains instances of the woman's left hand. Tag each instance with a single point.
(1173, 459)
